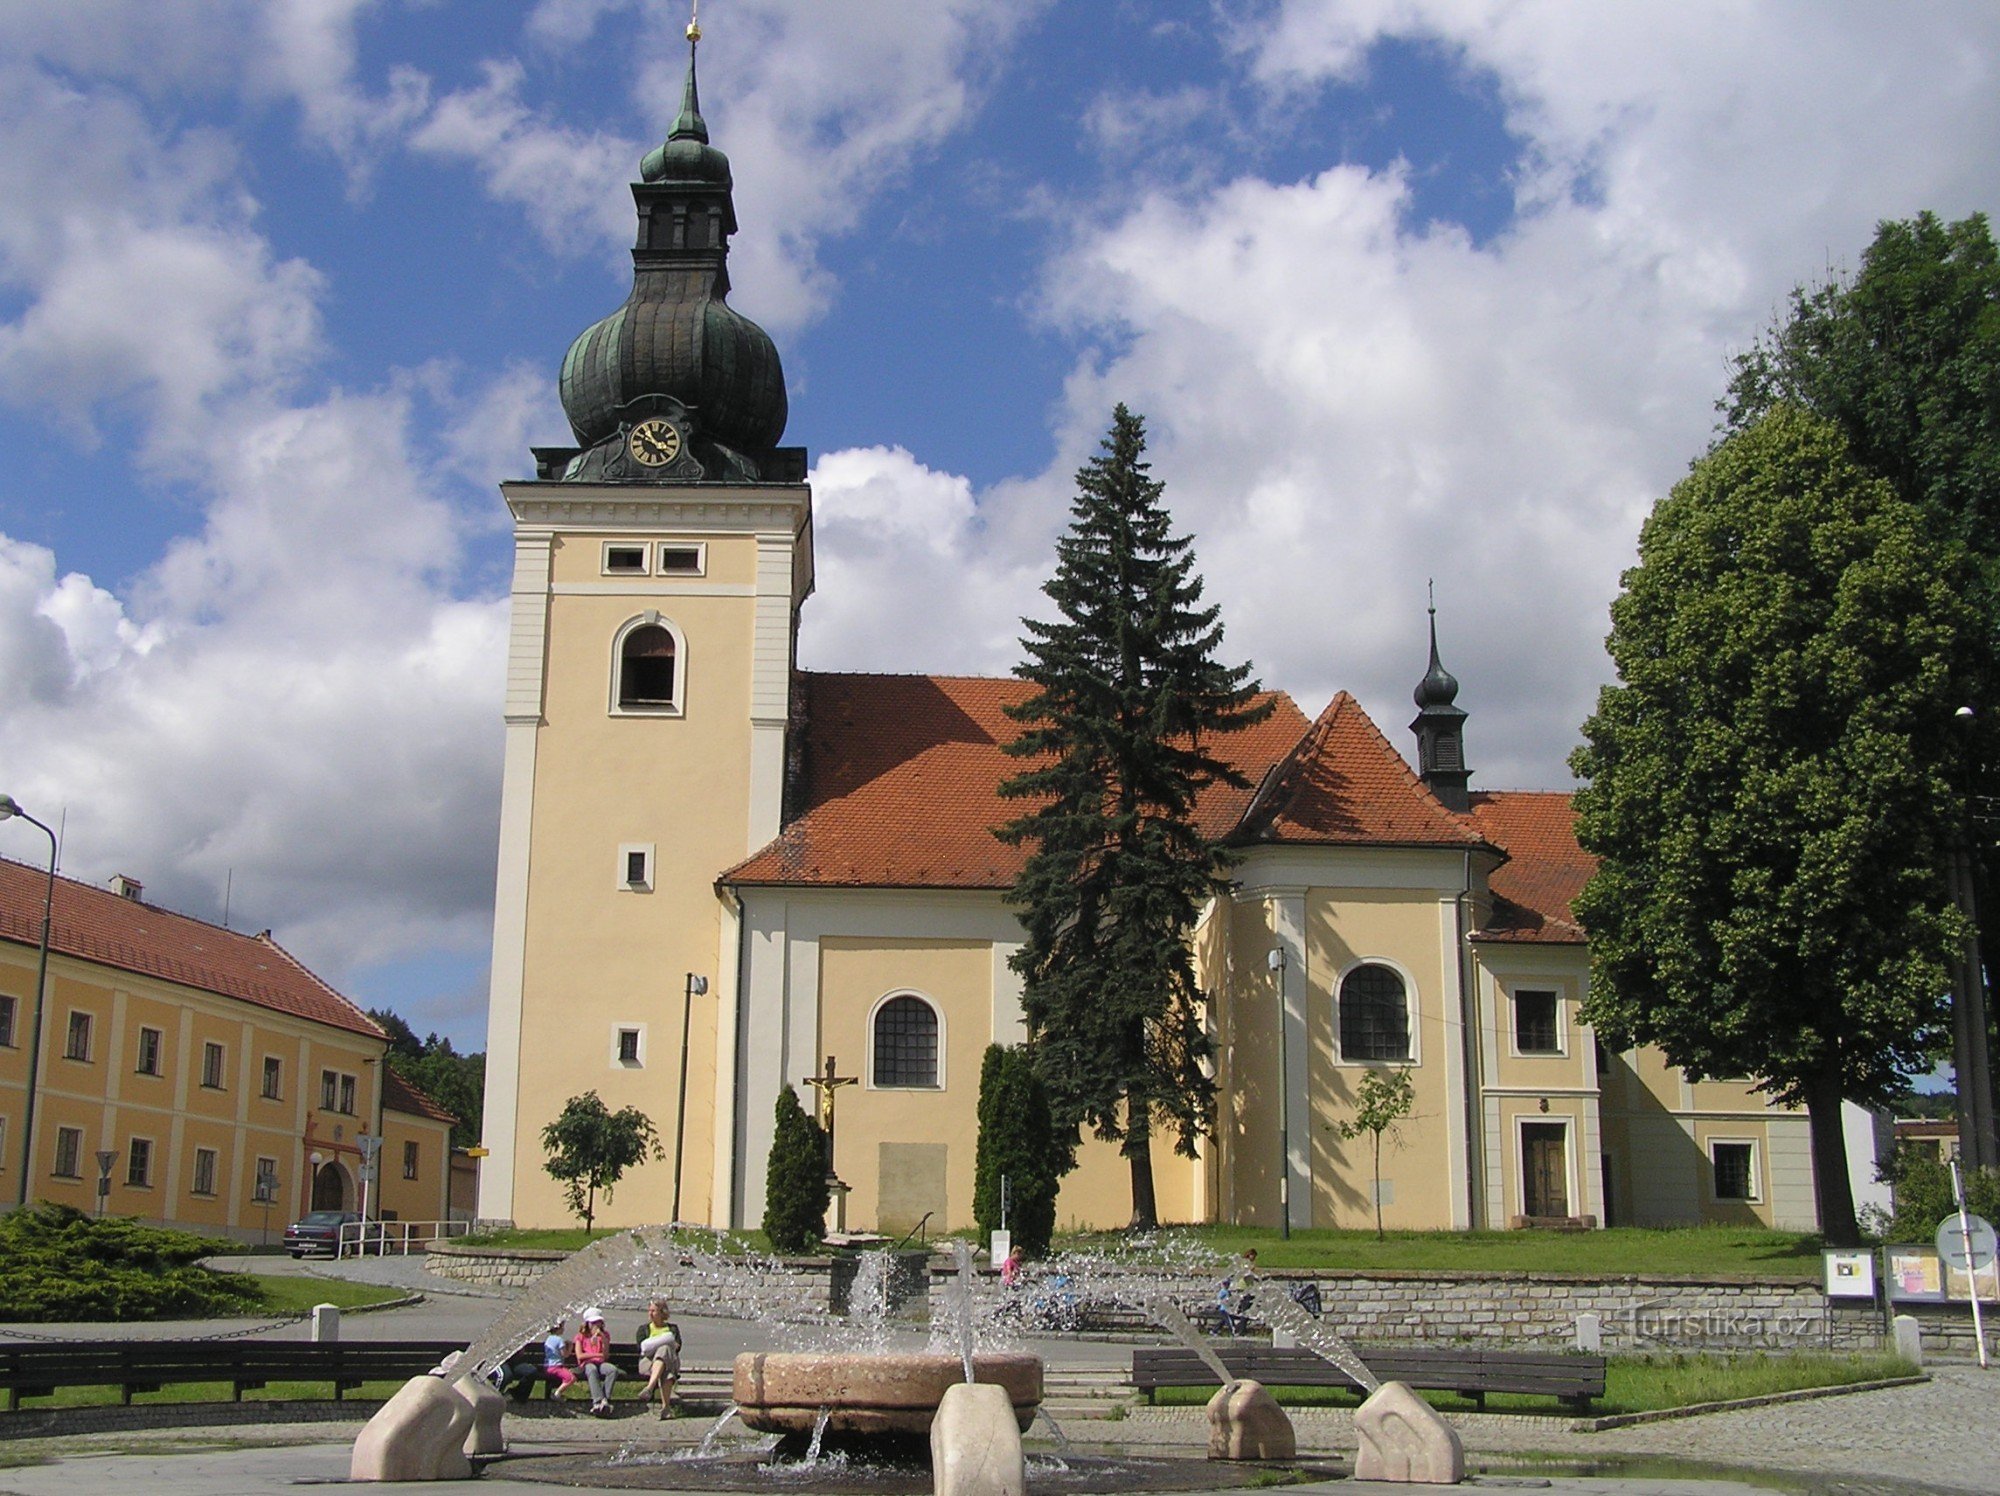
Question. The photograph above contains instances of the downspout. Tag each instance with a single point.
(1475, 1134)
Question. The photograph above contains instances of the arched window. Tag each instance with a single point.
(1374, 1015)
(906, 1043)
(650, 666)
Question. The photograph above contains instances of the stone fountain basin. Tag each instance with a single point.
(784, 1392)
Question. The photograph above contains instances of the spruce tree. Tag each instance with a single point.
(1017, 1144)
(1115, 743)
(795, 1192)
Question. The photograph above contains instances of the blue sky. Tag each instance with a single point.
(1405, 288)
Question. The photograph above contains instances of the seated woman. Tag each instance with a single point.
(660, 1356)
(592, 1348)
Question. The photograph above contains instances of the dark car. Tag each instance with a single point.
(318, 1232)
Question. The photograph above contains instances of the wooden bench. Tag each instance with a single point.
(1574, 1379)
(37, 1369)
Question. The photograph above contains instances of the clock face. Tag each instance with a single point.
(654, 442)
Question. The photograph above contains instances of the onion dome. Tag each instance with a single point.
(1440, 730)
(675, 348)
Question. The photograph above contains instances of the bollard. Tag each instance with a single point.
(326, 1322)
(1590, 1334)
(1909, 1338)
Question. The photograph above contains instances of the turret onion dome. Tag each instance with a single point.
(676, 345)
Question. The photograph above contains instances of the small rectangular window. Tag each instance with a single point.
(274, 1078)
(69, 1153)
(139, 1164)
(211, 1066)
(624, 560)
(409, 1160)
(265, 1190)
(635, 867)
(683, 560)
(3, 1145)
(77, 1045)
(347, 1094)
(6, 1021)
(628, 1046)
(1735, 1170)
(1537, 1025)
(204, 1171)
(149, 1052)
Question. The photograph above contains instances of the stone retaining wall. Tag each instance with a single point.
(522, 1267)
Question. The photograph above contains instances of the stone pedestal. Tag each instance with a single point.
(325, 1322)
(1404, 1439)
(976, 1444)
(1909, 1339)
(488, 1410)
(419, 1434)
(1246, 1423)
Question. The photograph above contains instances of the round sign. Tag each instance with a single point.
(1951, 1243)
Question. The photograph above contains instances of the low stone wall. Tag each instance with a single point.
(522, 1267)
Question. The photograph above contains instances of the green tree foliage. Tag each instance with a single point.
(1116, 743)
(590, 1147)
(795, 1192)
(58, 1264)
(1762, 789)
(1382, 1100)
(1923, 1196)
(1017, 1142)
(456, 1082)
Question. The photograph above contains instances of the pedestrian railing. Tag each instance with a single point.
(380, 1238)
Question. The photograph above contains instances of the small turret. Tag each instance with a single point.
(1440, 729)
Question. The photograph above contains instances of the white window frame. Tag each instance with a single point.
(943, 1047)
(210, 1048)
(132, 1145)
(1756, 1171)
(700, 549)
(411, 1157)
(3, 1145)
(1514, 1050)
(643, 569)
(89, 1035)
(272, 1086)
(618, 1060)
(74, 1136)
(651, 618)
(261, 1173)
(626, 852)
(1572, 1185)
(194, 1183)
(1413, 1006)
(12, 1009)
(158, 1067)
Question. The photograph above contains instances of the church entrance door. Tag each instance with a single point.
(1545, 1169)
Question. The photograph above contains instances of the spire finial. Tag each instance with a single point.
(690, 125)
(694, 23)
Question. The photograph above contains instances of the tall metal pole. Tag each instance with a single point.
(695, 987)
(1277, 965)
(10, 809)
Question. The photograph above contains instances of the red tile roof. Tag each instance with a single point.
(1343, 785)
(400, 1095)
(94, 924)
(1533, 893)
(901, 776)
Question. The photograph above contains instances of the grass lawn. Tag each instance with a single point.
(1706, 1251)
(1632, 1384)
(287, 1293)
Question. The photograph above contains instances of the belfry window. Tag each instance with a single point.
(1374, 1015)
(647, 669)
(906, 1043)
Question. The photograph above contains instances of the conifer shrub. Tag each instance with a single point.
(1017, 1143)
(58, 1264)
(795, 1192)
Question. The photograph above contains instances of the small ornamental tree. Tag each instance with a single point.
(1383, 1099)
(1017, 1144)
(795, 1192)
(590, 1147)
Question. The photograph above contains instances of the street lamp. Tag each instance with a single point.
(9, 809)
(696, 987)
(1276, 961)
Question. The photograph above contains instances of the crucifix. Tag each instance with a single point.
(826, 1083)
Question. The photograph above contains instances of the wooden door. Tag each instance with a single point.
(1545, 1169)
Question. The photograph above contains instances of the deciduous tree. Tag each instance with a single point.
(590, 1147)
(1762, 784)
(1117, 745)
(1382, 1100)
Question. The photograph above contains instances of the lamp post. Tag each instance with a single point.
(696, 987)
(1276, 961)
(10, 809)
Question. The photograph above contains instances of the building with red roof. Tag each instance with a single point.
(720, 876)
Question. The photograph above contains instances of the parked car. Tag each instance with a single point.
(319, 1232)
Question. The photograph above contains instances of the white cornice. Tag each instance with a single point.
(718, 507)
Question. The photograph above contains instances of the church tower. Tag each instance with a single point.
(660, 564)
(1440, 730)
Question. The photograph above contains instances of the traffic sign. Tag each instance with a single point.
(1951, 1244)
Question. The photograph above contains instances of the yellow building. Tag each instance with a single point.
(797, 870)
(209, 1079)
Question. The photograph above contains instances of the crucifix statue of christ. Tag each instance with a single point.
(826, 1083)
